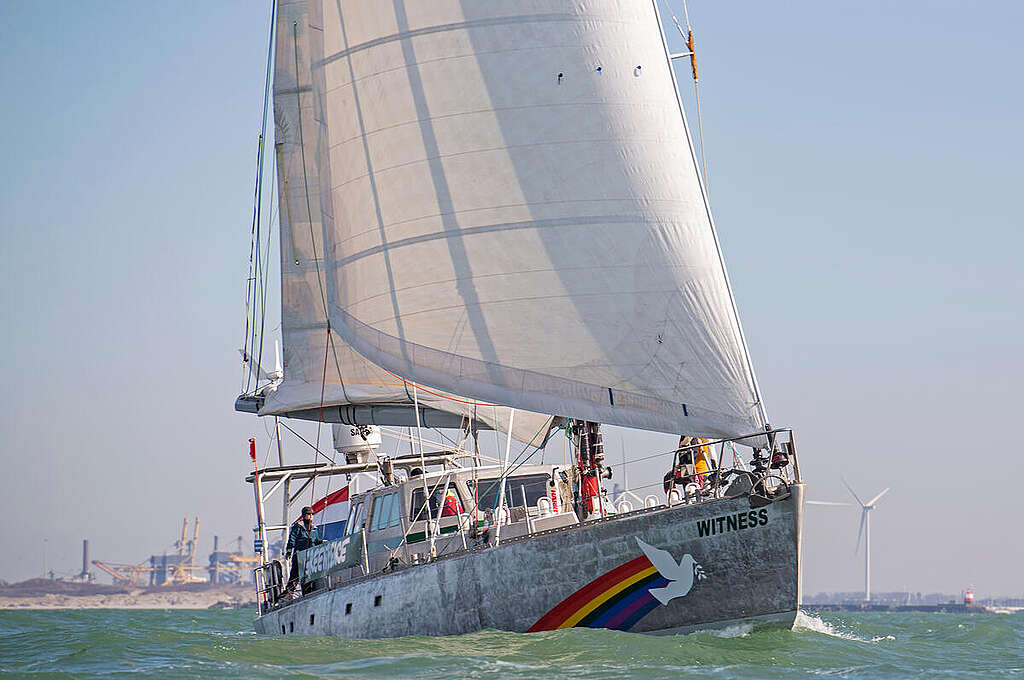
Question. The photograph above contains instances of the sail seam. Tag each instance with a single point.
(578, 103)
(489, 228)
(528, 223)
(619, 143)
(444, 28)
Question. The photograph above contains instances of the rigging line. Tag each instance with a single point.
(309, 211)
(266, 458)
(419, 513)
(638, 460)
(517, 463)
(457, 446)
(265, 276)
(537, 448)
(319, 425)
(327, 493)
(257, 207)
(696, 96)
(308, 443)
(243, 386)
(476, 472)
(305, 176)
(524, 461)
(320, 421)
(443, 436)
(258, 277)
(700, 126)
(423, 473)
(399, 437)
(337, 367)
(436, 394)
(668, 453)
(688, 40)
(250, 281)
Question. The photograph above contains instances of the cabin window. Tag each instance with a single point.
(348, 608)
(291, 626)
(378, 502)
(451, 507)
(355, 519)
(535, 486)
(376, 600)
(283, 631)
(382, 510)
(395, 518)
(311, 619)
(386, 512)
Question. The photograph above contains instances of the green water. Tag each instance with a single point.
(219, 644)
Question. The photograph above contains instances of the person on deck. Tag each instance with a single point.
(452, 506)
(302, 535)
(703, 464)
(677, 476)
(674, 478)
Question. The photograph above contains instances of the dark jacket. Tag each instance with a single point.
(300, 538)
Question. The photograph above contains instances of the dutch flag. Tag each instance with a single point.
(330, 514)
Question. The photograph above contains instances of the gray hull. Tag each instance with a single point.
(664, 570)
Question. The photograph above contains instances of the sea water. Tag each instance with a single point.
(220, 644)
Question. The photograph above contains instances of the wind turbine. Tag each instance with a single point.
(864, 530)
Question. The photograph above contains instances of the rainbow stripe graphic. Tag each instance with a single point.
(616, 600)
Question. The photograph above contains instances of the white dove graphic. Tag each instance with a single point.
(680, 575)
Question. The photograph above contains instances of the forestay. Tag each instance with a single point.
(506, 206)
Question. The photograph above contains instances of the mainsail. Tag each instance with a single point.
(500, 201)
(324, 378)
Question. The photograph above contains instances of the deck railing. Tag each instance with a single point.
(767, 476)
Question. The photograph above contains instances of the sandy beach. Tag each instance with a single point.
(45, 594)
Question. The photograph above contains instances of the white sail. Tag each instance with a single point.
(507, 207)
(324, 379)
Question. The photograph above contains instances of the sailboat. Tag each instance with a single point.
(492, 218)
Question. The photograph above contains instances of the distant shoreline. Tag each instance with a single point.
(947, 608)
(46, 594)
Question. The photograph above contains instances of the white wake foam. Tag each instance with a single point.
(734, 631)
(805, 621)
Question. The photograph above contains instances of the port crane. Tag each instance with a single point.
(177, 574)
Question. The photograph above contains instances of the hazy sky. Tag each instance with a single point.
(864, 162)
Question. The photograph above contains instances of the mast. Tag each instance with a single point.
(590, 467)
